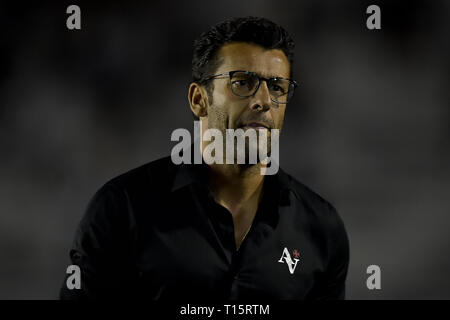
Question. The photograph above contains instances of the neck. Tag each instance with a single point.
(235, 185)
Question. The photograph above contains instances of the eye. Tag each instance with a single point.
(276, 88)
(240, 83)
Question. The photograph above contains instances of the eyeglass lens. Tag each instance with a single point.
(245, 84)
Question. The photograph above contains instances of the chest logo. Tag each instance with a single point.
(286, 258)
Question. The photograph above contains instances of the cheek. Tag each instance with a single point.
(217, 116)
(221, 94)
(278, 116)
(225, 110)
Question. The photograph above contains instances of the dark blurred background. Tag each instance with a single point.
(368, 128)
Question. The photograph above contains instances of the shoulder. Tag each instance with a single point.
(317, 209)
(156, 171)
(156, 175)
(136, 186)
(323, 220)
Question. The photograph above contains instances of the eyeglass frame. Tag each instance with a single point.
(230, 75)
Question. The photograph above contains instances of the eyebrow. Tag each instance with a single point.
(269, 76)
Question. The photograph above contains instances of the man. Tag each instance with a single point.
(217, 231)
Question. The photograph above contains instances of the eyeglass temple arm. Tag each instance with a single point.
(218, 75)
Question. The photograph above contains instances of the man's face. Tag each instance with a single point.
(228, 111)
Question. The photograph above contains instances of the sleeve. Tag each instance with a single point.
(331, 285)
(100, 248)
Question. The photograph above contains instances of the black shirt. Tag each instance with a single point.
(156, 232)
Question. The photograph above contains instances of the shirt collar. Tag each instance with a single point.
(187, 174)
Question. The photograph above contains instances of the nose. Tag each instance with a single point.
(261, 99)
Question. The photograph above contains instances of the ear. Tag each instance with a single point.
(198, 100)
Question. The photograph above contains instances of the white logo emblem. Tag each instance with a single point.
(286, 257)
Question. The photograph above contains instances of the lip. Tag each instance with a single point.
(254, 125)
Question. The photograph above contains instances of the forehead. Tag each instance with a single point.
(252, 57)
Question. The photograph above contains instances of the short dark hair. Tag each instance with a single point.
(260, 31)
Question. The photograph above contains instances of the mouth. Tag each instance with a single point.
(254, 125)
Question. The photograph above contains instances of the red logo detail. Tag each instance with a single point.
(296, 253)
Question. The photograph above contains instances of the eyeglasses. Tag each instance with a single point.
(245, 84)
